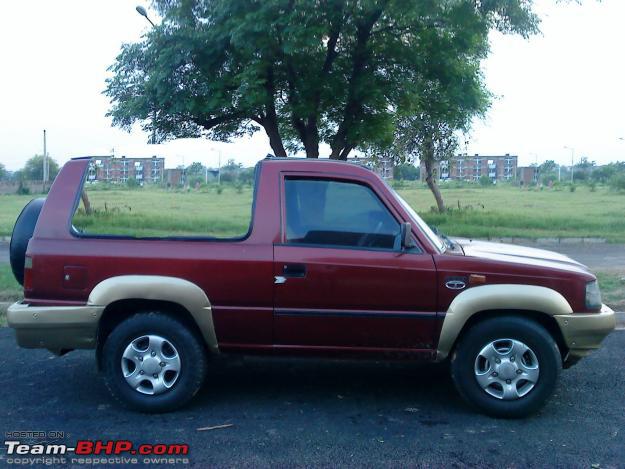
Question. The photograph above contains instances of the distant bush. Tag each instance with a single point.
(457, 184)
(485, 181)
(22, 189)
(132, 183)
(572, 188)
(549, 179)
(617, 182)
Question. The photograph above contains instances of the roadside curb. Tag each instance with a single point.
(515, 240)
(620, 319)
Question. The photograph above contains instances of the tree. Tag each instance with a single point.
(232, 166)
(585, 163)
(33, 169)
(196, 169)
(604, 173)
(548, 172)
(3, 172)
(406, 171)
(333, 71)
(448, 90)
(429, 130)
(548, 166)
(421, 136)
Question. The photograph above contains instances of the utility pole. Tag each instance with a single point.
(45, 161)
(219, 169)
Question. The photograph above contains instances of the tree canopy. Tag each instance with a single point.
(3, 172)
(307, 72)
(33, 169)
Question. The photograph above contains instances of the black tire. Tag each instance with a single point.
(22, 232)
(536, 337)
(190, 348)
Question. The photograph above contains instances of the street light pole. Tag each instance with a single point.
(572, 160)
(144, 13)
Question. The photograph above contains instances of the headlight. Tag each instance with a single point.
(593, 295)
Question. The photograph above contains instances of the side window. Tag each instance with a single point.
(337, 213)
(147, 206)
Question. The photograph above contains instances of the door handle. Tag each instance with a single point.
(294, 270)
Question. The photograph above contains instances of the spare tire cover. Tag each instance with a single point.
(22, 232)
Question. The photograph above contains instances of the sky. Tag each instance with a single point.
(559, 94)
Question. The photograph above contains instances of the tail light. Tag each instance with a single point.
(28, 273)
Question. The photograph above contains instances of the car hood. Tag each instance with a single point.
(518, 254)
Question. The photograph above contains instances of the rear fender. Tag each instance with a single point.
(160, 288)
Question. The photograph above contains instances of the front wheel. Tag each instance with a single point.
(506, 366)
(153, 363)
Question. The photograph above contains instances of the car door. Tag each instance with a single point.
(341, 279)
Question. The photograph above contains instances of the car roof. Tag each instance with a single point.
(321, 164)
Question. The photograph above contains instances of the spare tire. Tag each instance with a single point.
(22, 232)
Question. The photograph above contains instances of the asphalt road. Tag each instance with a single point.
(328, 413)
(599, 256)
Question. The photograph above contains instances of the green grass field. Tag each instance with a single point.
(496, 212)
(484, 212)
(612, 286)
(10, 208)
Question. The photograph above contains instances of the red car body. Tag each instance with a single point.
(508, 317)
(350, 300)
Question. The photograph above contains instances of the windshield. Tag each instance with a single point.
(436, 241)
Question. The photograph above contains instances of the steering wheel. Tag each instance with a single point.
(365, 239)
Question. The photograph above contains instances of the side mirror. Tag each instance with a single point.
(405, 235)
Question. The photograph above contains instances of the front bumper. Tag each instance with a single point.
(584, 333)
(56, 328)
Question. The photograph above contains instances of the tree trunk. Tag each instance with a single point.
(311, 140)
(431, 182)
(270, 120)
(85, 202)
(342, 145)
(275, 141)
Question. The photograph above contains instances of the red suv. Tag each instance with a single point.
(335, 263)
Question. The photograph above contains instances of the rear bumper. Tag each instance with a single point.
(56, 328)
(584, 333)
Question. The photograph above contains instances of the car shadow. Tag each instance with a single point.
(329, 382)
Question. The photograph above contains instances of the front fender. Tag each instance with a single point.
(496, 297)
(161, 288)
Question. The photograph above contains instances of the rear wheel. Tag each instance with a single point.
(153, 363)
(506, 366)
